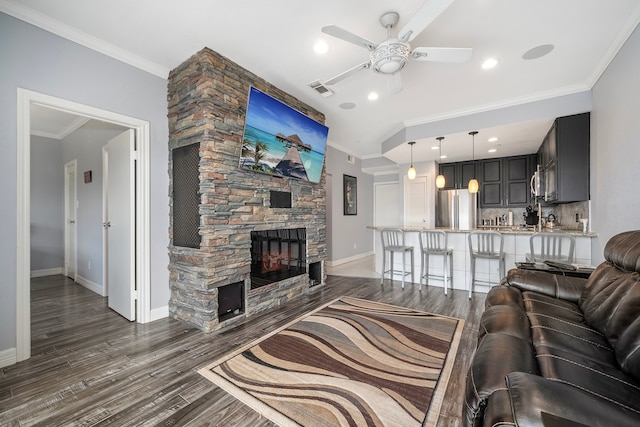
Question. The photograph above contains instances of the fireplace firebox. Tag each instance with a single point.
(277, 255)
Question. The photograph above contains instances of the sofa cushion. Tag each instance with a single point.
(628, 349)
(610, 304)
(554, 307)
(505, 319)
(602, 380)
(554, 285)
(496, 356)
(578, 339)
(537, 401)
(498, 411)
(503, 295)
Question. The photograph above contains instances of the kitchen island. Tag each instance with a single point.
(516, 247)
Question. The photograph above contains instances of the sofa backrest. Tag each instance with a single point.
(611, 299)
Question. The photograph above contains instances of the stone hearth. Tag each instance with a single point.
(207, 98)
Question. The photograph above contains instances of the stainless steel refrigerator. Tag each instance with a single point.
(456, 209)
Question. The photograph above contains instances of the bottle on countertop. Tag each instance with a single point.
(510, 218)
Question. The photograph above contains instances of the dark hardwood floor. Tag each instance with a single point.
(91, 367)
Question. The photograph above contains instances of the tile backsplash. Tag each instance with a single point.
(565, 213)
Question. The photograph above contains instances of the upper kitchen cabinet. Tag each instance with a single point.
(491, 183)
(505, 182)
(564, 155)
(457, 175)
(518, 171)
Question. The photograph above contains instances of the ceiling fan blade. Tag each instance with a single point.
(427, 13)
(442, 54)
(347, 73)
(347, 36)
(394, 83)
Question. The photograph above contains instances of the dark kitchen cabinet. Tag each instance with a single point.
(565, 159)
(457, 175)
(490, 183)
(505, 182)
(517, 185)
(448, 170)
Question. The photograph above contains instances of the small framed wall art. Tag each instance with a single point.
(350, 192)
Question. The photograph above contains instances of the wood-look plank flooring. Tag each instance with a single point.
(91, 367)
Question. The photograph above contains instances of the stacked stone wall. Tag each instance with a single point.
(207, 99)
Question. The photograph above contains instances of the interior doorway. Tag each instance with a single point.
(142, 249)
(70, 231)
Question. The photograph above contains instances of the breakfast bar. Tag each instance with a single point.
(516, 247)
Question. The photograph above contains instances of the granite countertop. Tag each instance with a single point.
(503, 229)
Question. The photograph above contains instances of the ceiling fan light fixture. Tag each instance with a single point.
(390, 56)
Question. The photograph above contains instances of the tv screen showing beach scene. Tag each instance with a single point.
(282, 141)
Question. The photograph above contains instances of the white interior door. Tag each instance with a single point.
(418, 202)
(387, 201)
(70, 210)
(119, 223)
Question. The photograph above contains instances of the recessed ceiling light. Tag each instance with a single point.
(372, 96)
(321, 47)
(538, 51)
(489, 63)
(444, 156)
(435, 147)
(493, 139)
(492, 150)
(347, 105)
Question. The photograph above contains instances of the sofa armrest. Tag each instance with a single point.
(554, 285)
(537, 401)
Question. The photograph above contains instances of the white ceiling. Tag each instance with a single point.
(274, 40)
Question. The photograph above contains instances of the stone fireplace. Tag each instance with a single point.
(239, 213)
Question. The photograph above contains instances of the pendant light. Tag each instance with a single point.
(440, 178)
(411, 173)
(473, 182)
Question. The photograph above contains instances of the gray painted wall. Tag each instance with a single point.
(85, 145)
(36, 60)
(347, 235)
(47, 204)
(615, 147)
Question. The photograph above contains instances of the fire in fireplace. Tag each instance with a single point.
(277, 255)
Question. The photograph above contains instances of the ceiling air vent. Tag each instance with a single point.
(321, 89)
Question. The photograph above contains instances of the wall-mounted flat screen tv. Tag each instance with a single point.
(282, 141)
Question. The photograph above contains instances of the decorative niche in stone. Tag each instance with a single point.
(186, 196)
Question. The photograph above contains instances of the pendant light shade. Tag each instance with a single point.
(440, 181)
(411, 173)
(473, 186)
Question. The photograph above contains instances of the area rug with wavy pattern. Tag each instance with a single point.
(351, 362)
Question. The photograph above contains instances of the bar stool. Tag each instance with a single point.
(485, 245)
(434, 242)
(392, 242)
(551, 246)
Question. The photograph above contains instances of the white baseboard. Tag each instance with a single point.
(92, 286)
(346, 260)
(159, 313)
(47, 272)
(8, 357)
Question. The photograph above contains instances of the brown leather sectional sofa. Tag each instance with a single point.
(555, 350)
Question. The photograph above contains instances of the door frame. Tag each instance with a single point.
(73, 164)
(142, 258)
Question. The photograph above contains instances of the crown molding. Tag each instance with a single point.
(58, 28)
(72, 127)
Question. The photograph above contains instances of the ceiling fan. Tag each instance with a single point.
(391, 55)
